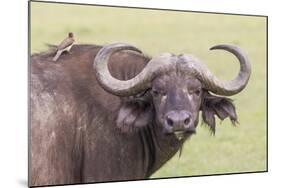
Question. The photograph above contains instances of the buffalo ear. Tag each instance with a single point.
(134, 114)
(222, 107)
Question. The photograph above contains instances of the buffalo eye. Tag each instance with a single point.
(196, 92)
(157, 93)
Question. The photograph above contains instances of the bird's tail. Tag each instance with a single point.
(57, 55)
(51, 46)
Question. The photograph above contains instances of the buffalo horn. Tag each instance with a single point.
(212, 83)
(133, 86)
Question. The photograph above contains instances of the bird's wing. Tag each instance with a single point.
(65, 43)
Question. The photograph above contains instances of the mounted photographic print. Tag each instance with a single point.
(120, 93)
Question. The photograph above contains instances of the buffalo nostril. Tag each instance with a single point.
(186, 121)
(170, 122)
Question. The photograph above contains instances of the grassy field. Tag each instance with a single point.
(232, 149)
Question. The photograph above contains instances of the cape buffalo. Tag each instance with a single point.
(111, 113)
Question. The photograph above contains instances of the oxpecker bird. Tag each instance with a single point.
(65, 45)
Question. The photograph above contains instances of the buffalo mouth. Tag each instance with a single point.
(181, 134)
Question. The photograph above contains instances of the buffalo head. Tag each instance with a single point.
(171, 90)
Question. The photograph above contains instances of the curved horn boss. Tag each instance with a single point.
(162, 63)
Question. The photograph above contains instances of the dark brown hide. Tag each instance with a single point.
(80, 133)
(74, 137)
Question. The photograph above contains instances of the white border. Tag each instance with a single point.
(13, 95)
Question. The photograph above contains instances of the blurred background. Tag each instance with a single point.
(232, 149)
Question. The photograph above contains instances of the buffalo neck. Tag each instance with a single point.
(157, 147)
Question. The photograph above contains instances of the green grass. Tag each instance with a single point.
(233, 149)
